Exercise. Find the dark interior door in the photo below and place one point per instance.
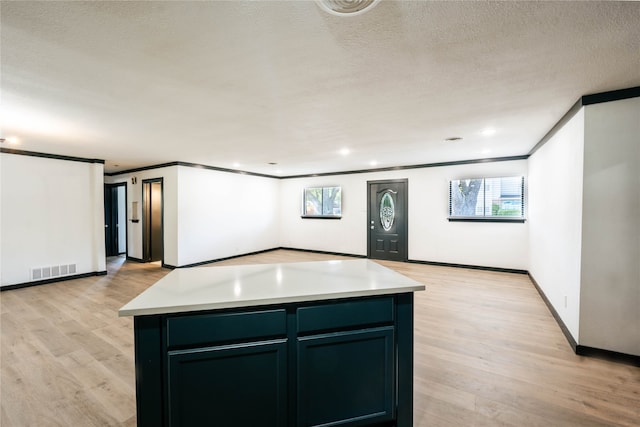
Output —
(387, 226)
(152, 248)
(115, 218)
(111, 219)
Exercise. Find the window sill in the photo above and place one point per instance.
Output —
(486, 219)
(321, 216)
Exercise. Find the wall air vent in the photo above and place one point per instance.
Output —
(43, 273)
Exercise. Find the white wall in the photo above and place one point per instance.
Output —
(216, 214)
(431, 236)
(555, 219)
(223, 214)
(346, 235)
(169, 177)
(52, 213)
(610, 298)
(208, 214)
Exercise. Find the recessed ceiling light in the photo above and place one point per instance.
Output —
(453, 139)
(10, 140)
(373, 163)
(236, 165)
(486, 151)
(488, 131)
(344, 152)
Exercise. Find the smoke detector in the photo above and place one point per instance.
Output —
(346, 7)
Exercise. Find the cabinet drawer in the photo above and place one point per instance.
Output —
(212, 328)
(343, 315)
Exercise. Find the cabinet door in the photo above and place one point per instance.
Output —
(346, 378)
(240, 385)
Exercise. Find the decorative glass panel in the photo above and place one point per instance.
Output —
(387, 211)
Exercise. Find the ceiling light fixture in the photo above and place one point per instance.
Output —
(345, 151)
(346, 7)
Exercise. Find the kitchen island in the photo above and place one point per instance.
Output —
(322, 343)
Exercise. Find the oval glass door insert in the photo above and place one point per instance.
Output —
(387, 211)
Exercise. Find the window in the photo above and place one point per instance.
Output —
(487, 199)
(322, 202)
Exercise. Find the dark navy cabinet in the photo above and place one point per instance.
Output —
(342, 362)
(346, 377)
(243, 384)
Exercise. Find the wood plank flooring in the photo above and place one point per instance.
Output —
(487, 353)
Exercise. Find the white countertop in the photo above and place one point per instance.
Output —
(210, 288)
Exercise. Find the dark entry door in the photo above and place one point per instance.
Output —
(387, 226)
(152, 211)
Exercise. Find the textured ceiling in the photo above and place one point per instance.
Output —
(241, 84)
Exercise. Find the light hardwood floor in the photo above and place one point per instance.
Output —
(487, 353)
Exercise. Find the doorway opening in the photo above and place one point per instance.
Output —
(387, 228)
(152, 220)
(115, 219)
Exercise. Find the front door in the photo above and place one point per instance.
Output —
(387, 226)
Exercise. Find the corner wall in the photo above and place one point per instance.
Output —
(52, 213)
(208, 214)
(610, 297)
(555, 220)
(222, 214)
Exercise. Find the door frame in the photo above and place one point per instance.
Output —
(145, 253)
(405, 208)
(126, 230)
